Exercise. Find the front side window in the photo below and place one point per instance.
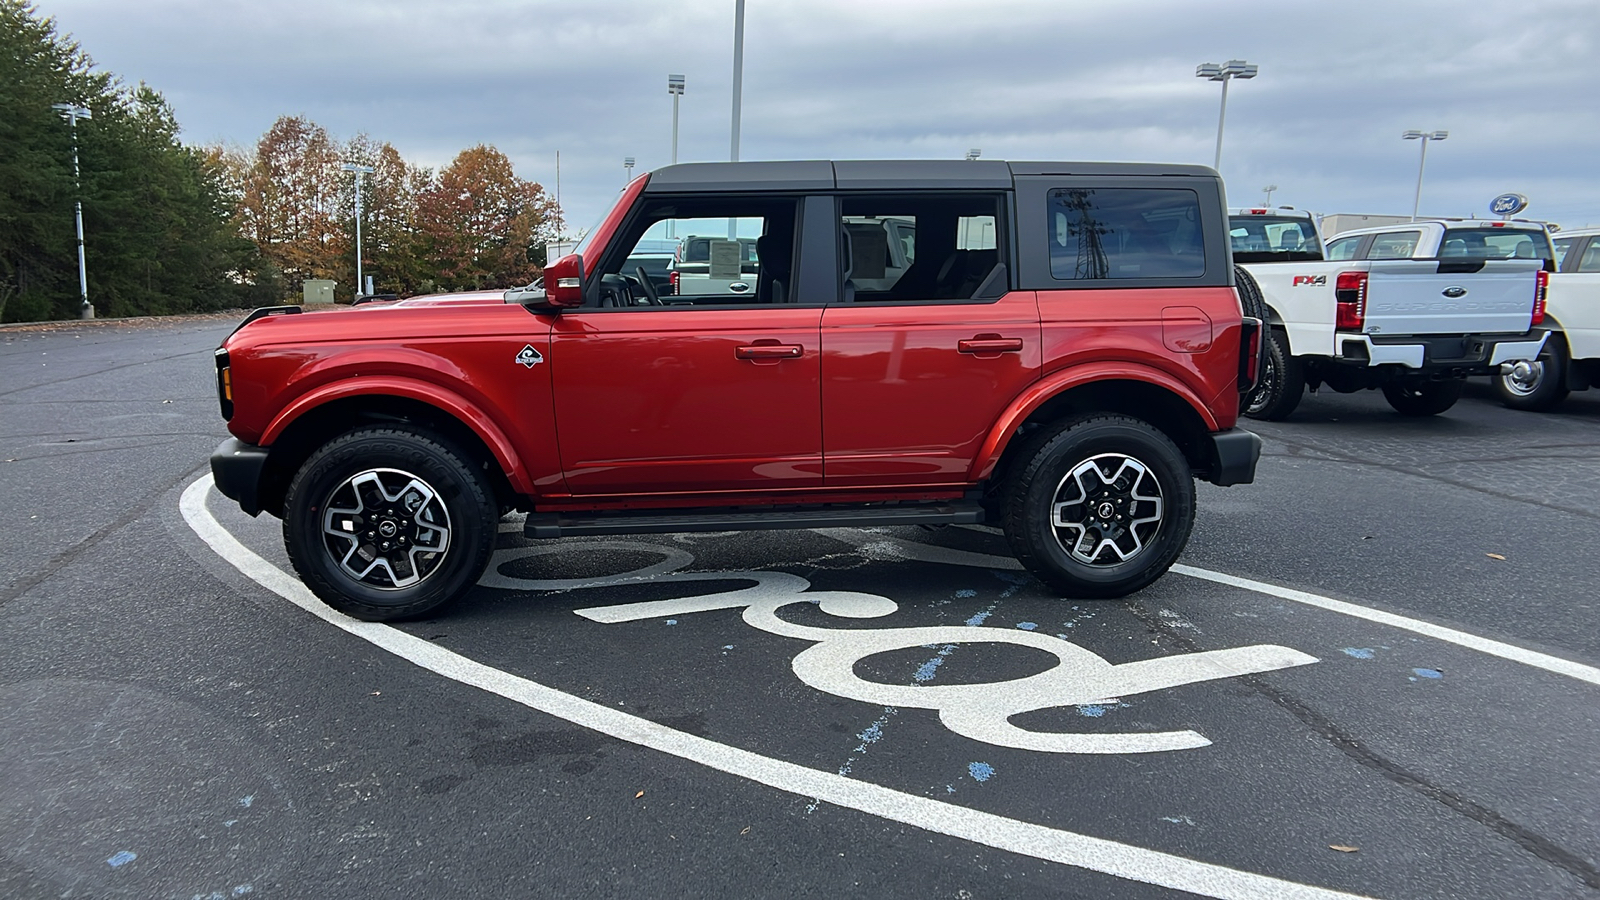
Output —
(1394, 245)
(918, 247)
(1344, 248)
(703, 252)
(1113, 233)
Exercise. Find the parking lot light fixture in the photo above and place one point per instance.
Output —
(675, 88)
(627, 166)
(359, 171)
(1233, 68)
(72, 113)
(1424, 137)
(974, 153)
(1268, 191)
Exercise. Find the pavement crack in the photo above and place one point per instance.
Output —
(1534, 843)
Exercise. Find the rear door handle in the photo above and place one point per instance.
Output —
(770, 351)
(986, 343)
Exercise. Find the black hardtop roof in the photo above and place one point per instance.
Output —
(887, 174)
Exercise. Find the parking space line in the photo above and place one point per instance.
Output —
(1024, 838)
(1501, 649)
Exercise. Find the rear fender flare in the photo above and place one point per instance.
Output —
(1057, 383)
(446, 401)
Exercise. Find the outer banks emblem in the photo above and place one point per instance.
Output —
(529, 356)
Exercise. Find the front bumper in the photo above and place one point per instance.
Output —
(1234, 454)
(236, 468)
(1482, 354)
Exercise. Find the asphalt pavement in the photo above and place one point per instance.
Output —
(1373, 674)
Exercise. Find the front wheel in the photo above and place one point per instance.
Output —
(1423, 398)
(1538, 385)
(388, 523)
(1100, 506)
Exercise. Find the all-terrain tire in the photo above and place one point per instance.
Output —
(1078, 506)
(1281, 384)
(389, 522)
(1423, 398)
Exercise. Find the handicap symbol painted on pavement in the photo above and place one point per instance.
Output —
(980, 711)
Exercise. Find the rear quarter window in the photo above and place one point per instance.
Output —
(1394, 245)
(1132, 233)
(1496, 243)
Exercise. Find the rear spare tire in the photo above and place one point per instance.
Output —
(1099, 506)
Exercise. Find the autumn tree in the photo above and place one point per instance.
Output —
(481, 225)
(290, 199)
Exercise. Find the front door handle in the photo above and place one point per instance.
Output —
(990, 343)
(770, 351)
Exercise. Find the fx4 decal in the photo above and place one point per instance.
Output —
(1314, 280)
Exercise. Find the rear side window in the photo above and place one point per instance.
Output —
(1394, 245)
(1344, 248)
(1562, 246)
(1110, 233)
(920, 247)
(1496, 243)
(1591, 257)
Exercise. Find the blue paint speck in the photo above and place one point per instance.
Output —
(963, 594)
(121, 858)
(727, 646)
(949, 789)
(873, 733)
(1027, 626)
(246, 801)
(240, 890)
(980, 771)
(1092, 710)
(977, 620)
(672, 621)
(1358, 652)
(926, 671)
(1428, 673)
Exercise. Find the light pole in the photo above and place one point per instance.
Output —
(1233, 68)
(1268, 190)
(1424, 137)
(72, 113)
(974, 153)
(360, 171)
(738, 76)
(627, 165)
(675, 88)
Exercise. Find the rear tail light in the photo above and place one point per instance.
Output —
(1350, 292)
(1539, 292)
(673, 278)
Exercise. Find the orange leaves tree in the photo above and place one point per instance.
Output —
(481, 224)
(474, 224)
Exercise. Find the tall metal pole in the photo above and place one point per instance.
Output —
(1416, 204)
(72, 114)
(738, 75)
(359, 171)
(1222, 118)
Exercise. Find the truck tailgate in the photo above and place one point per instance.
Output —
(1453, 296)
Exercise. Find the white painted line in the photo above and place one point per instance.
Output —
(1501, 649)
(1023, 838)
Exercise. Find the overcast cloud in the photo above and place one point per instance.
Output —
(1512, 83)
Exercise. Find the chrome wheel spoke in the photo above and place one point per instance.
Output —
(386, 528)
(1107, 509)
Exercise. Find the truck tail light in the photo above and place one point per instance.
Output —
(1540, 290)
(1350, 294)
(673, 278)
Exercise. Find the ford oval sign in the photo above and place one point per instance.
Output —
(1508, 204)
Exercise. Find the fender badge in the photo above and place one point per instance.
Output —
(529, 357)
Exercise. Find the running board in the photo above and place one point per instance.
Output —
(554, 525)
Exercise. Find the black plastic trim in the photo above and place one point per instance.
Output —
(236, 468)
(554, 525)
(265, 312)
(1234, 454)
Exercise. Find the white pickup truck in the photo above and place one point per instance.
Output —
(1412, 310)
(1571, 357)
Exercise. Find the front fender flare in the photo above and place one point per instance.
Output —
(446, 401)
(1050, 386)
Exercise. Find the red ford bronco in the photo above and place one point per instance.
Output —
(1055, 348)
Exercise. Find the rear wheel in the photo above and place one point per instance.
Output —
(387, 523)
(1537, 385)
(1100, 506)
(1423, 398)
(1280, 385)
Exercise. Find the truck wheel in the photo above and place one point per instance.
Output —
(1538, 385)
(1099, 506)
(1280, 385)
(389, 522)
(1423, 398)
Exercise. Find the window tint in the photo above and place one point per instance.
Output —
(1344, 248)
(1125, 233)
(909, 247)
(1591, 257)
(1496, 243)
(703, 252)
(1273, 238)
(1394, 245)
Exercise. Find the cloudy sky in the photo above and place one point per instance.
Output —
(866, 79)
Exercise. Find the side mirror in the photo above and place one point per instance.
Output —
(530, 295)
(563, 282)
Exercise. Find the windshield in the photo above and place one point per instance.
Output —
(1498, 243)
(1269, 238)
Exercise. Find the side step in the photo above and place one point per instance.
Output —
(554, 525)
